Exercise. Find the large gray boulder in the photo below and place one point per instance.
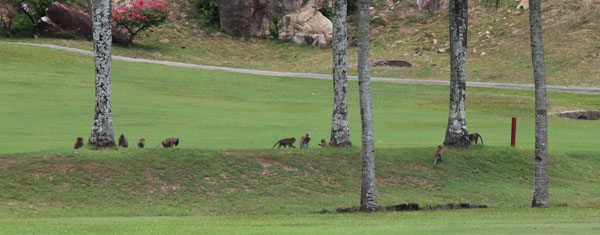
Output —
(253, 18)
(581, 114)
(62, 19)
(432, 6)
(306, 26)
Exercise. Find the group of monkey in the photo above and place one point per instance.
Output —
(289, 142)
(286, 142)
(167, 143)
(438, 153)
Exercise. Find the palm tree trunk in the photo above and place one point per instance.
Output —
(368, 192)
(102, 130)
(456, 132)
(340, 132)
(541, 196)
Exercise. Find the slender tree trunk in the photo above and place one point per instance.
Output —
(456, 132)
(24, 11)
(541, 196)
(102, 131)
(340, 132)
(368, 191)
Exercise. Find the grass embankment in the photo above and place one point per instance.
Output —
(47, 100)
(175, 182)
(570, 42)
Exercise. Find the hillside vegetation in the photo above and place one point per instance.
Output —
(570, 37)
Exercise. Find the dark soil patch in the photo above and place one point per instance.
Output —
(391, 63)
(407, 207)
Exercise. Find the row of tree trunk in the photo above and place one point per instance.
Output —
(102, 135)
(456, 130)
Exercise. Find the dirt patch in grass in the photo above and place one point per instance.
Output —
(245, 153)
(266, 163)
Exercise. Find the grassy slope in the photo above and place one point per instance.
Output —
(269, 182)
(46, 103)
(570, 36)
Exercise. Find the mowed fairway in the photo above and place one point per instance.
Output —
(225, 179)
(514, 221)
(47, 100)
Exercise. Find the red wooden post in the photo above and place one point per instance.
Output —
(513, 133)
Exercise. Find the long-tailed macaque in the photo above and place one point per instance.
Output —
(123, 141)
(474, 136)
(286, 142)
(168, 143)
(304, 141)
(438, 155)
(141, 143)
(323, 143)
(78, 143)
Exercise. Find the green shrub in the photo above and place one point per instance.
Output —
(208, 11)
(274, 27)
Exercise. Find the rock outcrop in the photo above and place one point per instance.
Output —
(524, 4)
(582, 114)
(307, 26)
(70, 19)
(62, 20)
(299, 21)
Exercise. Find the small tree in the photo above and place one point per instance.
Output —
(7, 15)
(140, 15)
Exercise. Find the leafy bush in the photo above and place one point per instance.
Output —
(274, 27)
(351, 9)
(140, 15)
(208, 11)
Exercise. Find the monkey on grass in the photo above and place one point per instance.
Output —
(123, 141)
(285, 142)
(141, 143)
(78, 143)
(170, 142)
(323, 143)
(473, 137)
(438, 155)
(304, 141)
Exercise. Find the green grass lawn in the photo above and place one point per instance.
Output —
(47, 101)
(228, 179)
(493, 221)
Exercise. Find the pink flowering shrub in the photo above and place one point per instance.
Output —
(140, 15)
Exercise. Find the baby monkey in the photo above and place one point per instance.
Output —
(323, 143)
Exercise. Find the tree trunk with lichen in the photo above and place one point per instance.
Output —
(541, 196)
(457, 134)
(340, 131)
(368, 192)
(102, 130)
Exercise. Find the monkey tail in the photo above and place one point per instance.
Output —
(481, 139)
(275, 144)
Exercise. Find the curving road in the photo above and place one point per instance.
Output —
(585, 90)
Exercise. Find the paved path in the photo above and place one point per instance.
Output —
(324, 76)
